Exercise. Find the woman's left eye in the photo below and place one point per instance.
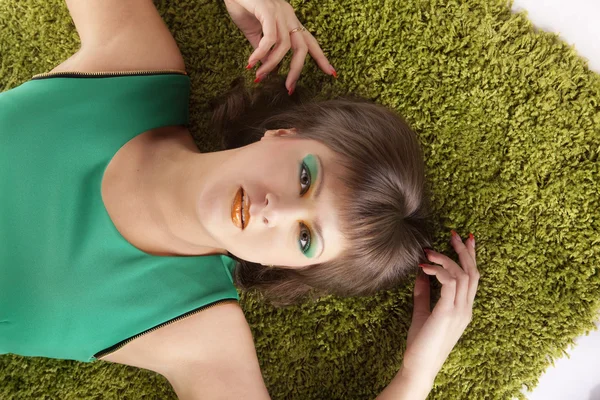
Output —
(304, 179)
(304, 239)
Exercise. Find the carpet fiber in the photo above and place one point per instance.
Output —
(509, 119)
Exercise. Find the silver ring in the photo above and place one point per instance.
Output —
(301, 29)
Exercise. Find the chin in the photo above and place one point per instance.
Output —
(211, 216)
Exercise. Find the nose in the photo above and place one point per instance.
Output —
(279, 210)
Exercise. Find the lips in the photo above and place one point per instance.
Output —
(240, 209)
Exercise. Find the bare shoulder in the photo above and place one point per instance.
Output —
(121, 35)
(110, 60)
(208, 355)
(192, 339)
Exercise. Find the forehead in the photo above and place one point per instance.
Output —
(327, 211)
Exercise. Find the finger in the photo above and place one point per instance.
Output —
(461, 281)
(269, 27)
(317, 54)
(278, 52)
(470, 243)
(462, 278)
(473, 273)
(300, 51)
(421, 296)
(473, 285)
(448, 282)
(467, 261)
(446, 262)
(254, 39)
(265, 58)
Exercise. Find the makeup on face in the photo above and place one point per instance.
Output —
(308, 242)
(240, 209)
(310, 181)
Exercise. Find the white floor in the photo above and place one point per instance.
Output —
(574, 378)
(576, 21)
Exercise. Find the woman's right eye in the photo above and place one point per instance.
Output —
(305, 178)
(304, 239)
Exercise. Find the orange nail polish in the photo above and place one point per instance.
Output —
(454, 233)
(333, 71)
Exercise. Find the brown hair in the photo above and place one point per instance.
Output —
(385, 222)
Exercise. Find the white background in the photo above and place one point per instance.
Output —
(578, 23)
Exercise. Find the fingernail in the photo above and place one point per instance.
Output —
(454, 234)
(249, 66)
(292, 89)
(260, 78)
(472, 239)
(333, 71)
(422, 265)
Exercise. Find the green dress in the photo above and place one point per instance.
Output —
(71, 287)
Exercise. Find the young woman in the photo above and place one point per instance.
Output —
(106, 199)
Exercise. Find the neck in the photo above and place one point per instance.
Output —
(175, 182)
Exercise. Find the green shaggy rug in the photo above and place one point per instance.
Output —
(509, 119)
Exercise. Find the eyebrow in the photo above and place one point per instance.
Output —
(321, 174)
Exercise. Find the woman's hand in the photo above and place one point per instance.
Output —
(432, 335)
(275, 19)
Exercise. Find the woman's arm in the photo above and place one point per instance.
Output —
(220, 361)
(433, 334)
(407, 387)
(121, 35)
(208, 355)
(212, 355)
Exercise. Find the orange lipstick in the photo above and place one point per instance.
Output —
(240, 209)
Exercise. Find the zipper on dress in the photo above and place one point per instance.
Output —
(78, 74)
(117, 346)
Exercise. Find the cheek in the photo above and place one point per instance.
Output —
(257, 247)
(270, 177)
(272, 158)
(267, 247)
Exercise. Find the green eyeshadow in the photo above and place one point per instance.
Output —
(311, 163)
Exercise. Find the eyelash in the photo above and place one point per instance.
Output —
(303, 228)
(304, 168)
(304, 248)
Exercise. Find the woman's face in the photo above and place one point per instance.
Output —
(272, 203)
